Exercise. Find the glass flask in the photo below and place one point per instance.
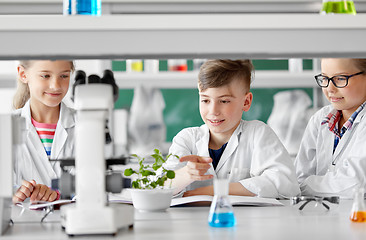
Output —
(221, 212)
(358, 212)
(338, 6)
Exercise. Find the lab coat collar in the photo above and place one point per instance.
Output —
(360, 116)
(33, 139)
(347, 136)
(66, 120)
(66, 115)
(203, 144)
(231, 146)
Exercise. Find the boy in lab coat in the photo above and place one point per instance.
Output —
(332, 155)
(247, 152)
(49, 127)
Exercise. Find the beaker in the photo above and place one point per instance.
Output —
(221, 212)
(338, 6)
(358, 212)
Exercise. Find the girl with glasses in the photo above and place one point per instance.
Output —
(332, 156)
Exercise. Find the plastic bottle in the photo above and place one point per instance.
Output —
(134, 65)
(358, 212)
(338, 6)
(197, 63)
(221, 212)
(82, 7)
(179, 65)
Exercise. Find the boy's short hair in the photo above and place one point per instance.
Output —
(220, 72)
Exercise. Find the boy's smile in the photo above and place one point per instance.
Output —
(221, 108)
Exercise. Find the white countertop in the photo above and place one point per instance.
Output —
(191, 223)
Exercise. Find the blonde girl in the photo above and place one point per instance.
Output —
(332, 156)
(49, 131)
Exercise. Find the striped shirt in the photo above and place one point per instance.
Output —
(46, 133)
(332, 119)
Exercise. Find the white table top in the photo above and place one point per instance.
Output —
(191, 223)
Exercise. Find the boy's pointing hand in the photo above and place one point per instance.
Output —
(197, 167)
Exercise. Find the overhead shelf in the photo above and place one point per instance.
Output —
(262, 79)
(162, 36)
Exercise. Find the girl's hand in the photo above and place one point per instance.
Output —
(43, 193)
(24, 191)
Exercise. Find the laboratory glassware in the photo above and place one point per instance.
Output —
(358, 212)
(134, 65)
(338, 6)
(325, 203)
(179, 65)
(221, 211)
(82, 7)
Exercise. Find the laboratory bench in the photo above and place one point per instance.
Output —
(283, 222)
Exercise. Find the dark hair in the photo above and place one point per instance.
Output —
(220, 72)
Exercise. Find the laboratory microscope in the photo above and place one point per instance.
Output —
(92, 214)
(11, 137)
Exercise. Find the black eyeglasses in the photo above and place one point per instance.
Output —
(340, 81)
(305, 200)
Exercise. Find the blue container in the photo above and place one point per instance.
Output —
(222, 220)
(83, 7)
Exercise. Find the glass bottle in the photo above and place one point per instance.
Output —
(221, 212)
(338, 6)
(82, 7)
(358, 212)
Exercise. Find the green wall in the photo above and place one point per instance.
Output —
(182, 110)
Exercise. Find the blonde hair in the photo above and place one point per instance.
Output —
(360, 63)
(22, 93)
(220, 72)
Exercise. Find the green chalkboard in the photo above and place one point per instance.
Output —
(182, 105)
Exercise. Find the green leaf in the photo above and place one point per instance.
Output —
(129, 172)
(170, 174)
(156, 167)
(153, 184)
(135, 184)
(145, 180)
(147, 173)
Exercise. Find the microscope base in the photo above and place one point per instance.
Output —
(91, 221)
(5, 213)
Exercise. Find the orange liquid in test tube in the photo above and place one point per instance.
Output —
(358, 216)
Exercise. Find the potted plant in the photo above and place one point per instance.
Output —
(149, 191)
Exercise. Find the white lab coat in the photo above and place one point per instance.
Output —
(31, 161)
(254, 156)
(314, 169)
